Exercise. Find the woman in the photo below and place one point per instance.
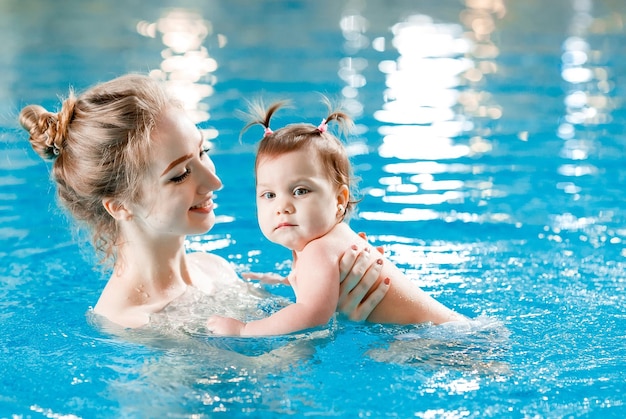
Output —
(130, 165)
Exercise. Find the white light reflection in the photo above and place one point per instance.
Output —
(587, 102)
(432, 98)
(353, 26)
(592, 230)
(419, 214)
(423, 147)
(422, 83)
(442, 413)
(410, 254)
(210, 243)
(429, 167)
(186, 65)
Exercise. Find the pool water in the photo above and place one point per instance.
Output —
(490, 147)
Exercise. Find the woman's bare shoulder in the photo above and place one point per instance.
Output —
(207, 268)
(116, 310)
(209, 260)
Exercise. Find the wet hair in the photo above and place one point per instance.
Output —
(295, 137)
(99, 143)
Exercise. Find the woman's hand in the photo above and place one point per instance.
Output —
(360, 291)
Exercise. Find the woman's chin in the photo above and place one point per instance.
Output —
(205, 225)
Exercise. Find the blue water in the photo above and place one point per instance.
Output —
(490, 147)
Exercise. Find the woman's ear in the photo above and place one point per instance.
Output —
(117, 209)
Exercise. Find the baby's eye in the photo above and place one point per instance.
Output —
(180, 178)
(268, 195)
(300, 191)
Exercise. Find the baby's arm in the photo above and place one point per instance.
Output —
(317, 292)
(267, 278)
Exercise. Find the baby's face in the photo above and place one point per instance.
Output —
(296, 202)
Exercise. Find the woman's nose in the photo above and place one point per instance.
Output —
(209, 181)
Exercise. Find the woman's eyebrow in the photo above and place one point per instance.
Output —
(176, 162)
(183, 158)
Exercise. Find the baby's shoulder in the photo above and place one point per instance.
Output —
(341, 236)
(334, 243)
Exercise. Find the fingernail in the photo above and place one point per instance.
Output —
(379, 261)
(386, 281)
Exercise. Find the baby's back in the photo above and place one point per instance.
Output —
(405, 302)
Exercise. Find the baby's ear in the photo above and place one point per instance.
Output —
(117, 209)
(343, 196)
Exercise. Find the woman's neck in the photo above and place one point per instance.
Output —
(155, 266)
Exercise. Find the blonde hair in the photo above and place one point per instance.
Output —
(100, 144)
(294, 137)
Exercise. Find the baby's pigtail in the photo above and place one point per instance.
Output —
(335, 114)
(261, 116)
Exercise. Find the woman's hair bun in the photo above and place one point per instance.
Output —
(48, 131)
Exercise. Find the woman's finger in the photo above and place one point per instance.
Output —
(358, 283)
(352, 266)
(364, 237)
(367, 281)
(363, 310)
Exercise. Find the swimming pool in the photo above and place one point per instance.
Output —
(490, 148)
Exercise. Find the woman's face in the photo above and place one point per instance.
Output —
(178, 190)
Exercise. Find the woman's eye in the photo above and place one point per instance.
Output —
(300, 191)
(181, 177)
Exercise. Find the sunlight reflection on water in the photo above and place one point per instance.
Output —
(490, 158)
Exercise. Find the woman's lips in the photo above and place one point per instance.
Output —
(205, 206)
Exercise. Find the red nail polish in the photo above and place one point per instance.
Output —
(386, 281)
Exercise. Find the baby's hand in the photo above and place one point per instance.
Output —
(268, 278)
(225, 326)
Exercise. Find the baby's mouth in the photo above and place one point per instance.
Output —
(281, 225)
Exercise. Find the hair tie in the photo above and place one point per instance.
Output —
(58, 125)
(268, 131)
(322, 127)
